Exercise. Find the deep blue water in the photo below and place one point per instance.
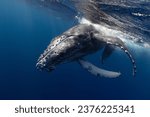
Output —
(25, 31)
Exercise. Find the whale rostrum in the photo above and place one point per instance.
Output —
(78, 42)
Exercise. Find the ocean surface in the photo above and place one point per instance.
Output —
(25, 32)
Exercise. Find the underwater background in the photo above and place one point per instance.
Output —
(26, 31)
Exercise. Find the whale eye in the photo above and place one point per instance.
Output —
(81, 36)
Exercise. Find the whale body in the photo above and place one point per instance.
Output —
(78, 42)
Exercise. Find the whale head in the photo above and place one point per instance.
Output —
(56, 53)
(71, 45)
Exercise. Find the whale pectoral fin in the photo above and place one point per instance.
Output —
(119, 43)
(107, 52)
(97, 71)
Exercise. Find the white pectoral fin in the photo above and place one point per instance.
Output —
(97, 71)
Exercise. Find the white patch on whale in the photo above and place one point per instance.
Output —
(98, 71)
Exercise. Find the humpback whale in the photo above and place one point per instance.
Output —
(78, 42)
(87, 38)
